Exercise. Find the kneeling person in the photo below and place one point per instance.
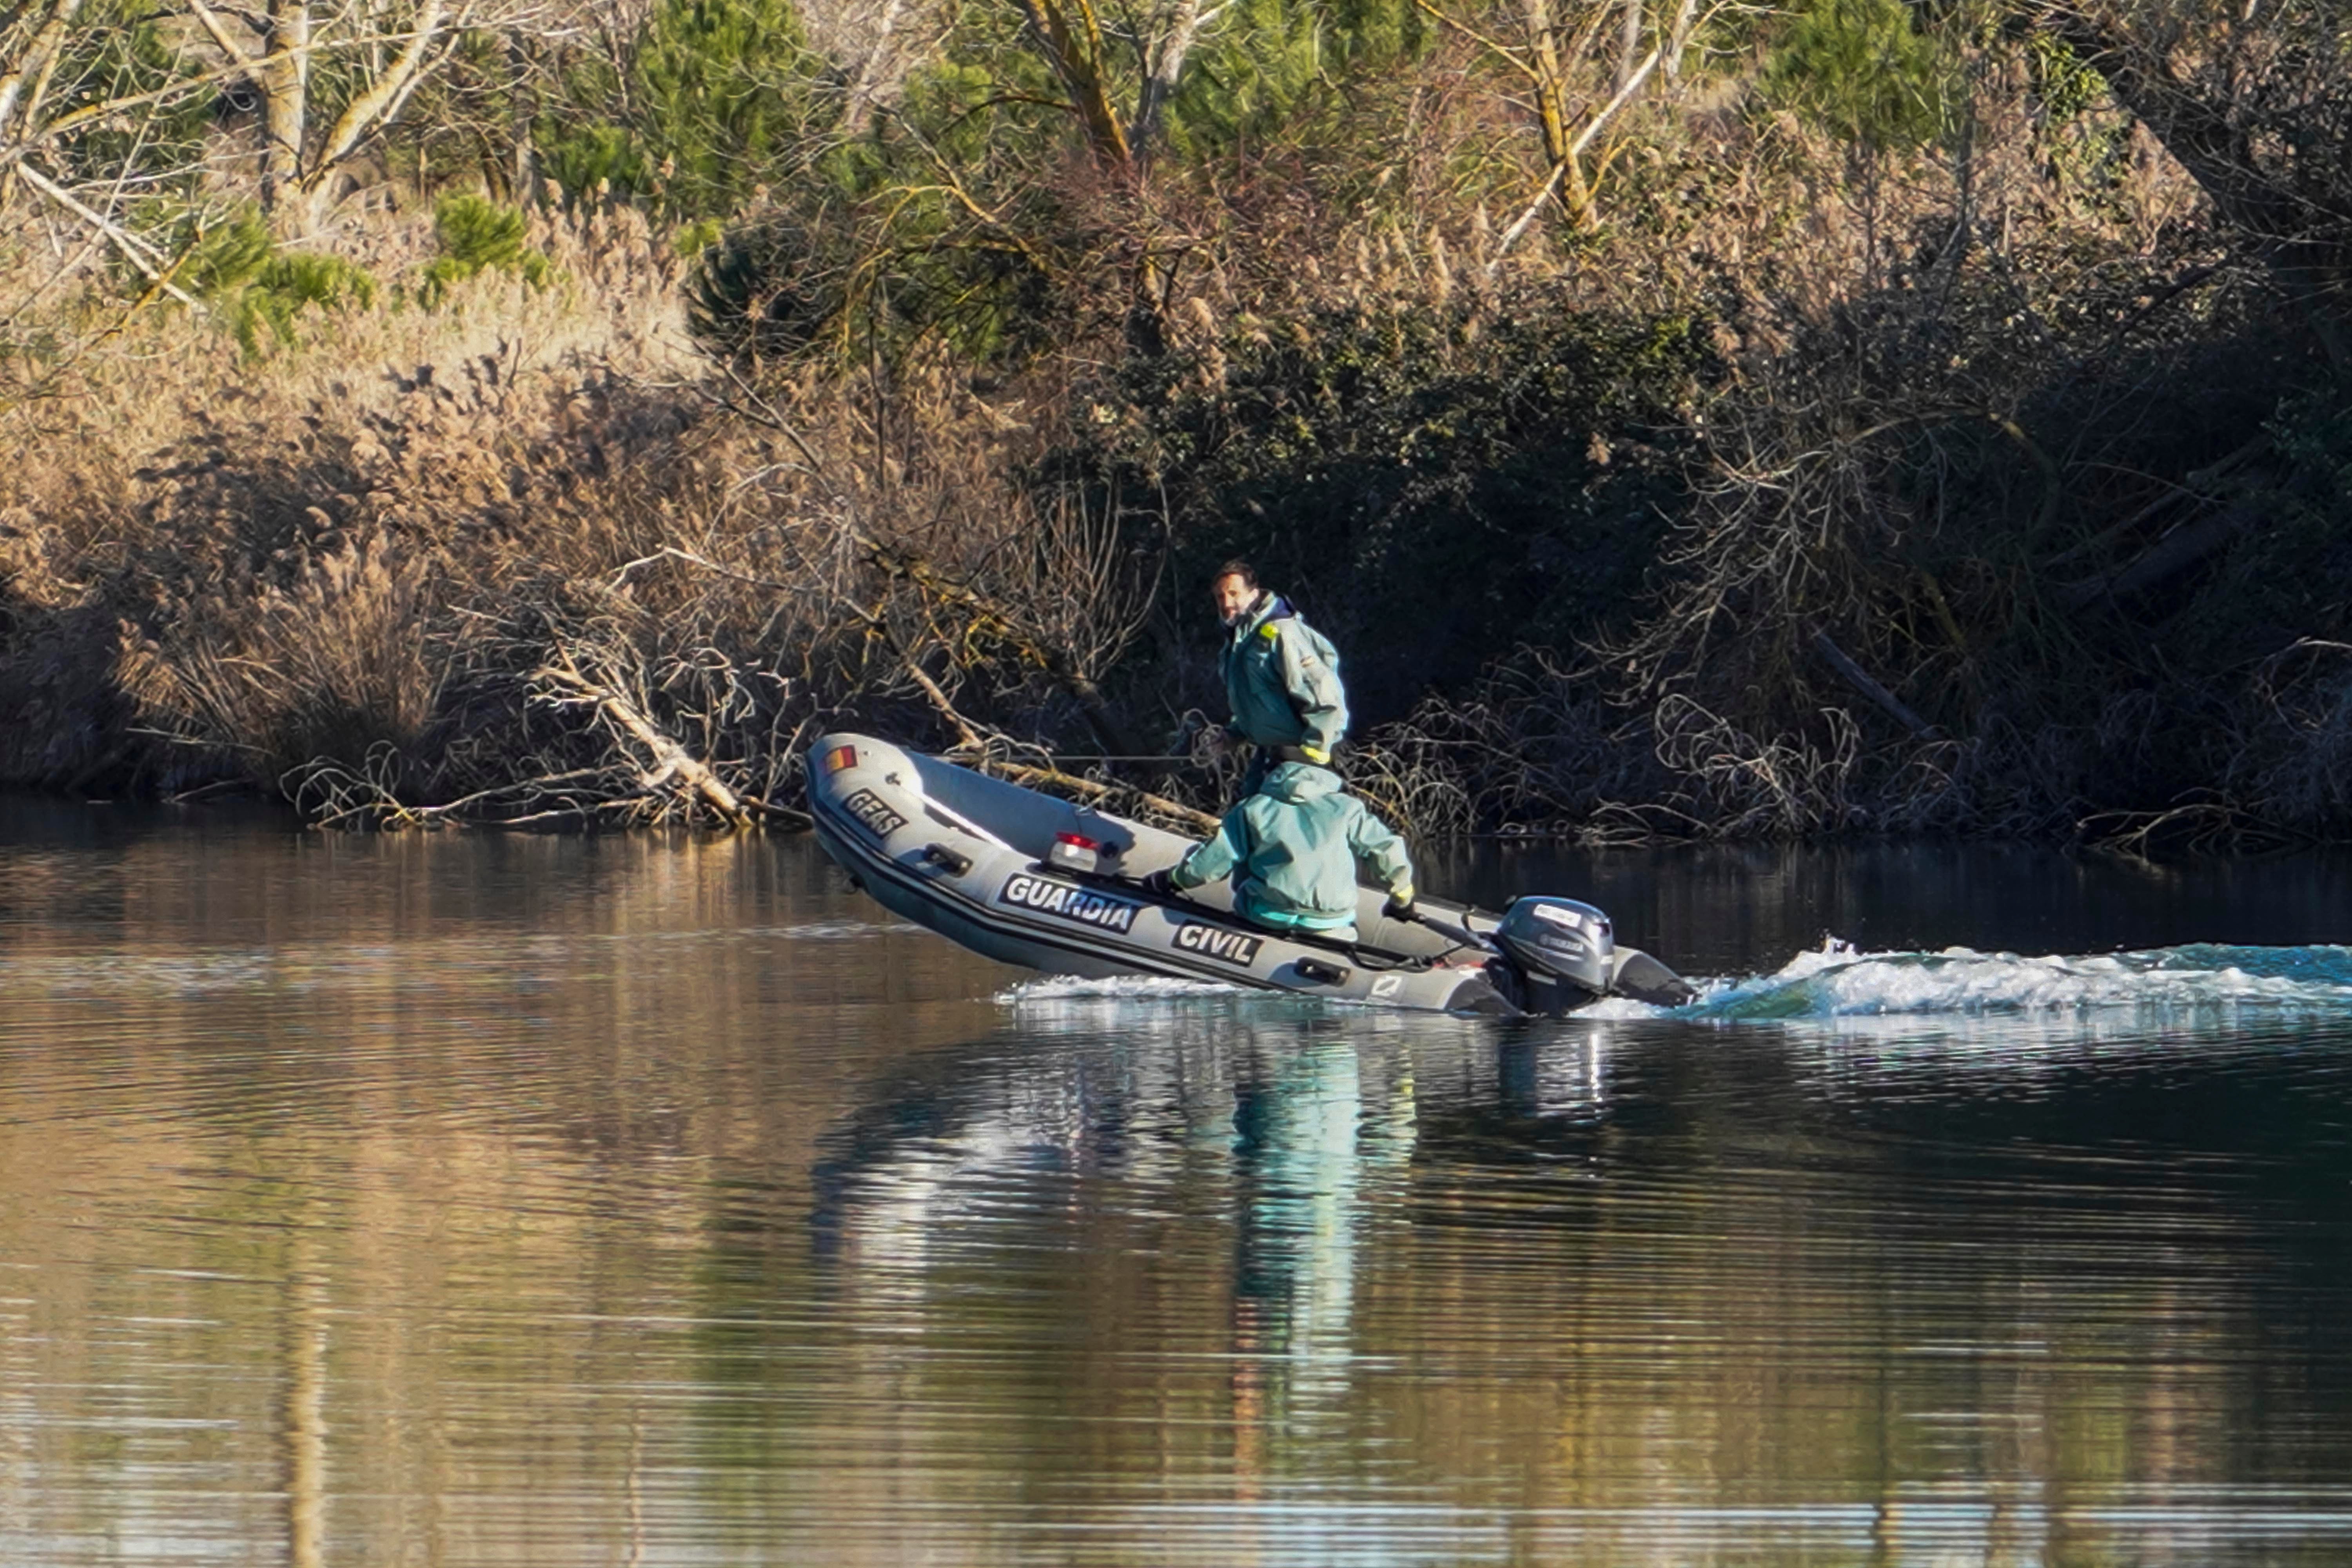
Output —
(1292, 851)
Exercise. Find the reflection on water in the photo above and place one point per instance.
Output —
(494, 1200)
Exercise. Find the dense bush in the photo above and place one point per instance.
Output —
(1439, 480)
(251, 285)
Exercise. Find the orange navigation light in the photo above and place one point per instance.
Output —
(840, 757)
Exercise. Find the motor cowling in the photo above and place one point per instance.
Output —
(1564, 951)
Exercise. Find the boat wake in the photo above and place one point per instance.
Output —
(1840, 981)
(1057, 990)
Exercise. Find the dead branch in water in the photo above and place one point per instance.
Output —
(671, 761)
(2213, 827)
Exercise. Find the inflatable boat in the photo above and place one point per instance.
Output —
(1032, 880)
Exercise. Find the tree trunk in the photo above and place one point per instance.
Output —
(866, 85)
(1070, 34)
(2210, 137)
(1551, 81)
(671, 761)
(1166, 69)
(1629, 42)
(284, 78)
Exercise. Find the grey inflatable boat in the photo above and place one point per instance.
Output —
(1032, 880)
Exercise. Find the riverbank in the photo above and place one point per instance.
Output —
(528, 557)
(1993, 480)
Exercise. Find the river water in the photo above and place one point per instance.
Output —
(454, 1199)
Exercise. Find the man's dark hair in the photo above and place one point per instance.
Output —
(1236, 567)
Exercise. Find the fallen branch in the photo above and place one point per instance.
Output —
(2195, 486)
(1860, 679)
(1024, 773)
(128, 245)
(2169, 557)
(2194, 828)
(671, 761)
(982, 747)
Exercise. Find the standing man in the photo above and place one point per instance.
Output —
(1282, 677)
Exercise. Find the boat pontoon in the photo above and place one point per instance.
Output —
(1032, 880)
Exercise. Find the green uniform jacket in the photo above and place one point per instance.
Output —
(1282, 676)
(1292, 851)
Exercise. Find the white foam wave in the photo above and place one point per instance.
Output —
(1839, 981)
(1622, 1007)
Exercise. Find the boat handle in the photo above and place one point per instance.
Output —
(946, 860)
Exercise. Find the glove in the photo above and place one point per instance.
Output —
(1159, 884)
(1401, 906)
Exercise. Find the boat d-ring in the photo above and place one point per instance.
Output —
(946, 860)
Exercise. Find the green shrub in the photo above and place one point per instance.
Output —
(292, 282)
(718, 98)
(1284, 73)
(1437, 485)
(693, 239)
(215, 262)
(249, 284)
(476, 233)
(1862, 72)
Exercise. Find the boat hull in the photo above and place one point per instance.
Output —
(968, 856)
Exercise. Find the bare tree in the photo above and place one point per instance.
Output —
(330, 77)
(52, 85)
(1092, 56)
(2253, 99)
(389, 46)
(1561, 49)
(34, 41)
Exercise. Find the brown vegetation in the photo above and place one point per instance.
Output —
(521, 559)
(1707, 455)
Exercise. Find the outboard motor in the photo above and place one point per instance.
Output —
(1563, 950)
